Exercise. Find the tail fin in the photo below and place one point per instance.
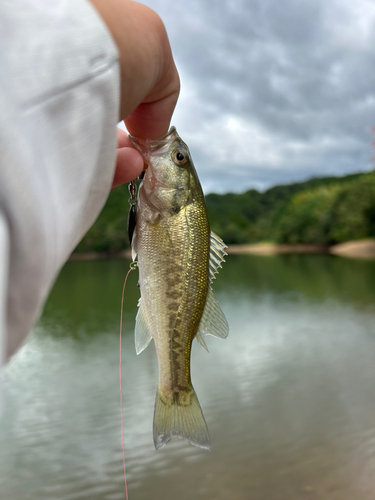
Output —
(179, 415)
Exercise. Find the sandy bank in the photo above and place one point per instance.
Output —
(361, 249)
(272, 248)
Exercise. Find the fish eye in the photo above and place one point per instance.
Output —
(180, 158)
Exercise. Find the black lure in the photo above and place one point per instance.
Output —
(131, 222)
(133, 207)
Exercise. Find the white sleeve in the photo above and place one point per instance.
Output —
(59, 103)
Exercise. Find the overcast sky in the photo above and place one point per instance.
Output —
(273, 91)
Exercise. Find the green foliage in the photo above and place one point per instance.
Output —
(353, 214)
(330, 214)
(307, 217)
(323, 210)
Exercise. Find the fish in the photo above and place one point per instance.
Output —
(178, 257)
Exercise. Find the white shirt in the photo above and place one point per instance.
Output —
(59, 102)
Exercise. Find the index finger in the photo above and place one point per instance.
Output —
(151, 120)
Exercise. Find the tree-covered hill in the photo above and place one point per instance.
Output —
(321, 210)
(324, 210)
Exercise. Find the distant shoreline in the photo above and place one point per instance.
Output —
(274, 248)
(360, 249)
(124, 254)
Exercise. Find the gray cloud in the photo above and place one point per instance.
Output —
(273, 92)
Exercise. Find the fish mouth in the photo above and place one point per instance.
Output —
(147, 146)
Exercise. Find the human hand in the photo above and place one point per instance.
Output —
(149, 79)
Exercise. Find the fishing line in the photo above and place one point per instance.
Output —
(133, 266)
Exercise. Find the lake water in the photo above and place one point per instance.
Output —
(289, 397)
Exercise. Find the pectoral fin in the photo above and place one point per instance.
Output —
(213, 320)
(142, 332)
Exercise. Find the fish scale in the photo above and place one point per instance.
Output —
(182, 324)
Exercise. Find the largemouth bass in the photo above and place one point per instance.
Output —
(178, 258)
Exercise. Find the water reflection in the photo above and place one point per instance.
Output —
(288, 397)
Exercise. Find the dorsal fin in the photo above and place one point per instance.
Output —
(213, 320)
(217, 254)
